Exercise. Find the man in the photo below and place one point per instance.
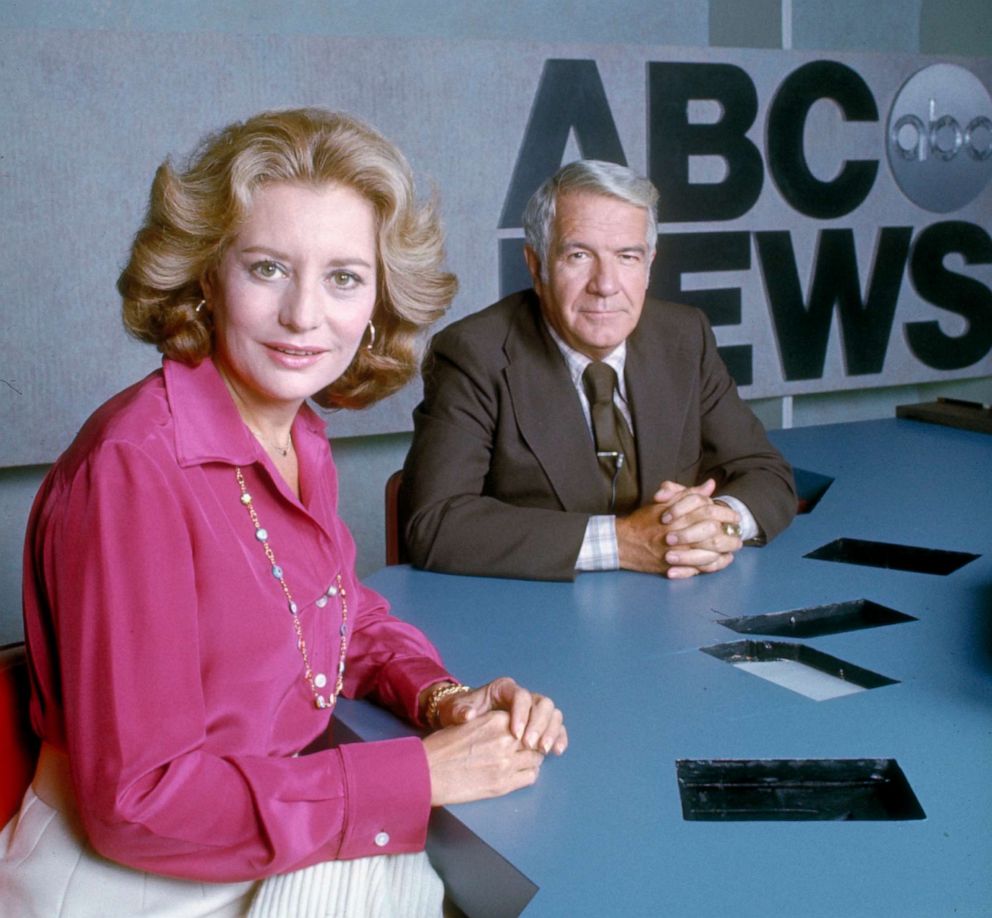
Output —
(526, 464)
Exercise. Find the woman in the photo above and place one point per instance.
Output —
(191, 607)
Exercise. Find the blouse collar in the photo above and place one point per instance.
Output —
(207, 423)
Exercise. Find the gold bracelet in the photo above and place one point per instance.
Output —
(438, 693)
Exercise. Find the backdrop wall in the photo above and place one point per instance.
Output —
(98, 93)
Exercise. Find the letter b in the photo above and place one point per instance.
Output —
(673, 139)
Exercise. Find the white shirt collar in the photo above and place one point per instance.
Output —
(577, 362)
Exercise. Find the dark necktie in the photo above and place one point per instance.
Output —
(614, 442)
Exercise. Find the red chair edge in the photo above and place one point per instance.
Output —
(18, 743)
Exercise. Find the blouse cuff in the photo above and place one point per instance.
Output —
(405, 683)
(389, 797)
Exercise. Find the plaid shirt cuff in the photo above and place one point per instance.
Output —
(599, 551)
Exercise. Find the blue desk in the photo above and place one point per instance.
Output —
(603, 833)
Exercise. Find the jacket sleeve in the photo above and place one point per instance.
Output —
(735, 450)
(454, 522)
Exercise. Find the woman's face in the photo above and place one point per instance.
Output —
(293, 294)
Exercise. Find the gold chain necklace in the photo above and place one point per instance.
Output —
(282, 450)
(319, 680)
(245, 413)
(267, 443)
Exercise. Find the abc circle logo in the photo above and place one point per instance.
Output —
(939, 138)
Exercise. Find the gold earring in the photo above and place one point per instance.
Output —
(199, 306)
(368, 346)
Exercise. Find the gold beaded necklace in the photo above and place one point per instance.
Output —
(319, 680)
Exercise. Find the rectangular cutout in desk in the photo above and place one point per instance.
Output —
(794, 790)
(892, 557)
(798, 668)
(816, 621)
(810, 487)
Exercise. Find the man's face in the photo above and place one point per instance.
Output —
(597, 272)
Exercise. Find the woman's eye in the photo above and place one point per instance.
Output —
(345, 279)
(266, 269)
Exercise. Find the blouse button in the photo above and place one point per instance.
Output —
(382, 839)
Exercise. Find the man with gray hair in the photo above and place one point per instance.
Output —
(580, 425)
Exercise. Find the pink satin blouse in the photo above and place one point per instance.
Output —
(163, 654)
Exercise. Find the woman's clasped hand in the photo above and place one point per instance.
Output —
(492, 740)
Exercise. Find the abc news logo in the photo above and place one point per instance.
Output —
(939, 140)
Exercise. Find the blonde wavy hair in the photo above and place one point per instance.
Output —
(194, 213)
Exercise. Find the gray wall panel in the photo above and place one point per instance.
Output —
(90, 115)
(855, 25)
(673, 22)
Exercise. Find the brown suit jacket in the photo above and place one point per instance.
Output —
(501, 476)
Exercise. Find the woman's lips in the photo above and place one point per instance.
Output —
(295, 356)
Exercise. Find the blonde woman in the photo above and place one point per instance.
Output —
(191, 607)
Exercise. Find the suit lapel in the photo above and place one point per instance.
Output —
(658, 388)
(547, 410)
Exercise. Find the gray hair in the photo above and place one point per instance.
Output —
(591, 175)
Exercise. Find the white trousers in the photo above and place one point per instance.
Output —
(48, 868)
